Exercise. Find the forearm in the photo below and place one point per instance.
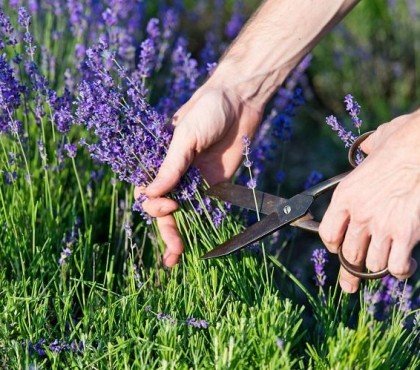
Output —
(273, 42)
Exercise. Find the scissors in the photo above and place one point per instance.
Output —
(281, 212)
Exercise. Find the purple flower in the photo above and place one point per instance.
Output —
(56, 346)
(128, 230)
(319, 258)
(130, 135)
(153, 28)
(314, 178)
(371, 299)
(251, 184)
(234, 25)
(33, 6)
(147, 58)
(280, 343)
(166, 317)
(353, 108)
(71, 150)
(246, 143)
(10, 92)
(346, 136)
(9, 177)
(197, 323)
(109, 17)
(7, 30)
(24, 19)
(77, 20)
(66, 252)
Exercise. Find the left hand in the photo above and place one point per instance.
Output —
(375, 211)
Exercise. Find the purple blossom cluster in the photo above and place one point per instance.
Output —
(197, 323)
(130, 135)
(57, 346)
(347, 137)
(236, 22)
(10, 97)
(65, 253)
(353, 109)
(319, 259)
(391, 294)
(166, 317)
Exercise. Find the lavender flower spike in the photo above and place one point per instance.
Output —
(319, 258)
(346, 136)
(353, 108)
(196, 323)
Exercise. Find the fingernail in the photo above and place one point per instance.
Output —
(347, 287)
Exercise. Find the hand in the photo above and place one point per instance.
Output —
(375, 211)
(208, 133)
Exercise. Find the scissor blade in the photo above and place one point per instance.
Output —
(243, 197)
(250, 235)
(295, 208)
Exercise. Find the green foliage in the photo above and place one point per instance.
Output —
(110, 291)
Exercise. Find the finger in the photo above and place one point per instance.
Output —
(159, 207)
(368, 144)
(400, 263)
(378, 253)
(354, 248)
(333, 227)
(170, 236)
(178, 158)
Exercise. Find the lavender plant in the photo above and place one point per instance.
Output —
(87, 90)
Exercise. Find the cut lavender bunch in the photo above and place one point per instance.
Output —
(131, 136)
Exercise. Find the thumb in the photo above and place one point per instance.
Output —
(178, 158)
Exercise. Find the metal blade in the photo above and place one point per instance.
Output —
(243, 197)
(294, 209)
(250, 235)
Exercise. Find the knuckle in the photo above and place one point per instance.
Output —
(399, 270)
(355, 229)
(353, 255)
(373, 264)
(328, 236)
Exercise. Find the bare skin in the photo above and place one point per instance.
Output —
(375, 211)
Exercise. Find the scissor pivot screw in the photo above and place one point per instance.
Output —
(287, 209)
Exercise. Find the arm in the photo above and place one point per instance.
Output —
(273, 42)
(209, 128)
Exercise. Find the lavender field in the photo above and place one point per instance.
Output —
(87, 92)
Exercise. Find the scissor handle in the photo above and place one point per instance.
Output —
(355, 146)
(313, 226)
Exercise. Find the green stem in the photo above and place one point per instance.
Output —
(258, 218)
(82, 198)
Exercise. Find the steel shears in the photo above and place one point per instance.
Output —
(280, 212)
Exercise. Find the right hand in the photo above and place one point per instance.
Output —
(208, 134)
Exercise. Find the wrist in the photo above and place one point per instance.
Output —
(254, 87)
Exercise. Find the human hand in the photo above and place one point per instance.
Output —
(208, 134)
(375, 211)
